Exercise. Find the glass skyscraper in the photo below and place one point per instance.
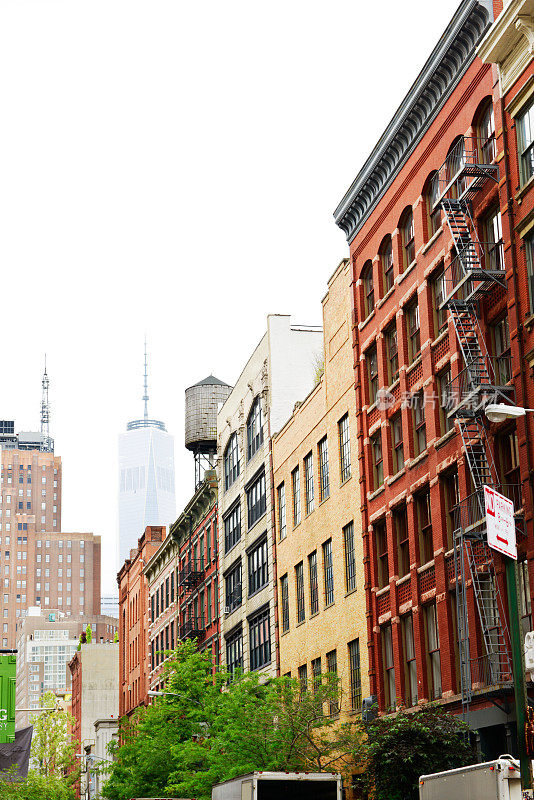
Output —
(146, 481)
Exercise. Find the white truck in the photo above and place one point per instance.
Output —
(280, 785)
(492, 780)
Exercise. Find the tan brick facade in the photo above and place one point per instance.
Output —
(334, 616)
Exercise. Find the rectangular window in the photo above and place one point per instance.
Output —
(413, 331)
(424, 522)
(439, 293)
(258, 572)
(344, 447)
(282, 530)
(410, 666)
(378, 460)
(316, 674)
(500, 337)
(234, 653)
(314, 583)
(328, 568)
(260, 640)
(284, 602)
(432, 643)
(494, 243)
(233, 589)
(350, 557)
(397, 443)
(308, 483)
(525, 143)
(303, 677)
(389, 666)
(355, 675)
(331, 666)
(256, 500)
(446, 423)
(392, 353)
(295, 483)
(419, 423)
(202, 552)
(324, 478)
(232, 528)
(451, 496)
(299, 587)
(524, 597)
(400, 526)
(529, 250)
(208, 604)
(371, 360)
(382, 557)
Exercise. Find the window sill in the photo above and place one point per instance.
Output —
(404, 579)
(386, 296)
(524, 189)
(257, 591)
(300, 624)
(415, 461)
(352, 591)
(249, 527)
(406, 271)
(426, 566)
(309, 513)
(445, 438)
(315, 614)
(372, 495)
(396, 477)
(439, 338)
(233, 547)
(330, 605)
(529, 322)
(431, 241)
(344, 483)
(383, 590)
(361, 325)
(323, 501)
(415, 363)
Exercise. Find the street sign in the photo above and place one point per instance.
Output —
(500, 523)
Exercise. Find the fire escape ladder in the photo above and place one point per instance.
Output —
(469, 276)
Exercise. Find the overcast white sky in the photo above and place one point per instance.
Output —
(172, 168)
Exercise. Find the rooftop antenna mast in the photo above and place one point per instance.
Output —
(46, 442)
(145, 396)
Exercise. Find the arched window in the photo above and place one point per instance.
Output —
(407, 238)
(368, 289)
(433, 209)
(386, 262)
(231, 461)
(254, 428)
(486, 133)
(454, 165)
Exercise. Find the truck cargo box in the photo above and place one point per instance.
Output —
(280, 785)
(492, 780)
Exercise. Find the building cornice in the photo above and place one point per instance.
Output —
(449, 60)
(510, 41)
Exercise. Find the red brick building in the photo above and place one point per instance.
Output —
(134, 663)
(183, 582)
(436, 296)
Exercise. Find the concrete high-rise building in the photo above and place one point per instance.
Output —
(46, 642)
(146, 478)
(30, 503)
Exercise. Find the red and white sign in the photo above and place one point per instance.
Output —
(500, 523)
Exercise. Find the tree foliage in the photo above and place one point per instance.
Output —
(53, 748)
(36, 787)
(396, 750)
(206, 730)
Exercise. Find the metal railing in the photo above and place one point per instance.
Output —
(482, 376)
(469, 514)
(484, 670)
(475, 267)
(191, 573)
(466, 166)
(192, 629)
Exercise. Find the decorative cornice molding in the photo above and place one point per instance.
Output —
(441, 73)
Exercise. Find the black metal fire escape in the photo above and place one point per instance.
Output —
(191, 574)
(471, 275)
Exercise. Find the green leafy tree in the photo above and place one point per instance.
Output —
(53, 747)
(35, 787)
(205, 730)
(88, 634)
(396, 750)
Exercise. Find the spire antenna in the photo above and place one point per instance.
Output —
(145, 396)
(45, 412)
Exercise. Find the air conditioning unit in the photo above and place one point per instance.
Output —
(227, 610)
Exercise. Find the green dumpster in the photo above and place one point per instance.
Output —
(8, 667)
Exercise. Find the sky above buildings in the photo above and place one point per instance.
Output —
(171, 168)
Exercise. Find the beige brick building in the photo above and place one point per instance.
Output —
(321, 600)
